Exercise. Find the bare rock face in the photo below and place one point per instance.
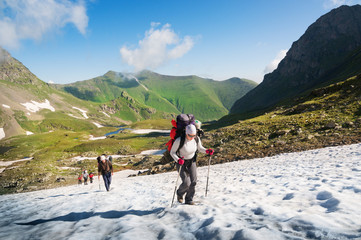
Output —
(324, 52)
(324, 45)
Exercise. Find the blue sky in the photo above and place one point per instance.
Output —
(64, 41)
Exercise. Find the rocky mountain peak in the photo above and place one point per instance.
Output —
(327, 41)
(312, 60)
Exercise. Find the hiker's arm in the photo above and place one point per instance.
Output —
(111, 167)
(174, 149)
(200, 147)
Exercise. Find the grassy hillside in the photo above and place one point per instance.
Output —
(205, 98)
(16, 118)
(326, 116)
(111, 86)
(52, 152)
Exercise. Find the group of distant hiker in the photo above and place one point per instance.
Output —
(183, 147)
(105, 168)
(84, 176)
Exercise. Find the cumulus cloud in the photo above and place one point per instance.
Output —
(31, 19)
(273, 65)
(159, 45)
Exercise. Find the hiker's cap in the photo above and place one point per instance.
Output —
(102, 157)
(191, 129)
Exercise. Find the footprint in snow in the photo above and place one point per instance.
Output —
(331, 205)
(324, 195)
(288, 196)
(258, 211)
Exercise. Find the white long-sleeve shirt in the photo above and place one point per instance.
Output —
(188, 150)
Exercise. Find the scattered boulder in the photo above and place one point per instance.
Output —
(60, 179)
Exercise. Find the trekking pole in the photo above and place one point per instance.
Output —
(209, 164)
(176, 183)
(99, 182)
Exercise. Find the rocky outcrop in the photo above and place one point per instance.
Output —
(317, 57)
(14, 71)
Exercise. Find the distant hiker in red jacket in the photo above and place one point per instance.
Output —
(91, 175)
(105, 168)
(79, 179)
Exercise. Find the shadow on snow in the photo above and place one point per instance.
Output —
(77, 216)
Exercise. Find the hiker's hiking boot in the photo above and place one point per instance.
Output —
(189, 202)
(180, 199)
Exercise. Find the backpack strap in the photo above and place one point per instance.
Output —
(182, 141)
(197, 140)
(181, 144)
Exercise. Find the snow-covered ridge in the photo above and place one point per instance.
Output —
(306, 195)
(34, 106)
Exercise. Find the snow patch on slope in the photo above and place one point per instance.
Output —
(98, 125)
(106, 114)
(83, 112)
(34, 106)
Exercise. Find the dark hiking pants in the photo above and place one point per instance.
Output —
(188, 175)
(107, 177)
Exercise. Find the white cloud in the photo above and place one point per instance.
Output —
(273, 65)
(159, 45)
(31, 19)
(336, 3)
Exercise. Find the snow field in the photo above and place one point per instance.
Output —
(306, 195)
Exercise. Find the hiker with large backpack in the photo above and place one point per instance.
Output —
(105, 168)
(184, 152)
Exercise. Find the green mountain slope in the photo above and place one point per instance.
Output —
(29, 105)
(207, 99)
